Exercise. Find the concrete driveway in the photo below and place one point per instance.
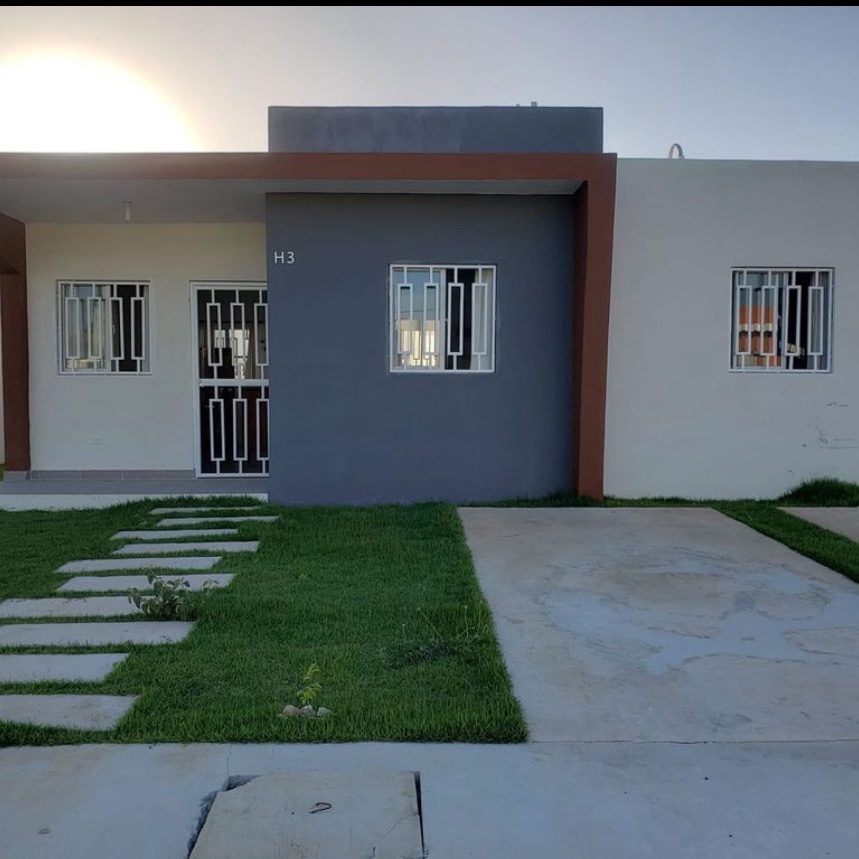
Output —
(666, 625)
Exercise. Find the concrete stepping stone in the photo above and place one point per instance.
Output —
(169, 548)
(361, 814)
(94, 634)
(167, 511)
(65, 607)
(202, 520)
(141, 583)
(171, 535)
(104, 565)
(41, 667)
(87, 712)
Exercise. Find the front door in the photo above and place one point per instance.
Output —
(231, 334)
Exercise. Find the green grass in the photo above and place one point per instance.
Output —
(826, 547)
(384, 600)
(823, 492)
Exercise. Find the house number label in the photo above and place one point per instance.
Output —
(284, 257)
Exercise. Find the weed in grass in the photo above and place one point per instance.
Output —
(171, 599)
(469, 634)
(312, 687)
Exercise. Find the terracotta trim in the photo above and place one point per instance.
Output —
(298, 166)
(15, 344)
(592, 247)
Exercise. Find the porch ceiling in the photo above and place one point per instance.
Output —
(231, 188)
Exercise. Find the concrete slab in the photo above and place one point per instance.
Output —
(117, 632)
(315, 814)
(67, 501)
(81, 494)
(174, 535)
(619, 800)
(65, 607)
(167, 548)
(109, 564)
(842, 520)
(169, 511)
(39, 667)
(202, 520)
(86, 712)
(141, 583)
(666, 625)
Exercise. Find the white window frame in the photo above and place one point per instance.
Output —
(759, 342)
(100, 359)
(483, 357)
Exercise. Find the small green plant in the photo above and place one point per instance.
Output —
(312, 687)
(171, 599)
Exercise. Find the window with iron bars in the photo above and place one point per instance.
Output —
(103, 326)
(442, 318)
(782, 320)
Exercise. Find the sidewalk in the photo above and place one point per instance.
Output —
(547, 800)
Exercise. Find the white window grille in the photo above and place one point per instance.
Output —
(782, 320)
(442, 318)
(103, 327)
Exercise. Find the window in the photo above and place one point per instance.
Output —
(442, 318)
(103, 327)
(782, 320)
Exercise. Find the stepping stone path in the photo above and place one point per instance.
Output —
(202, 520)
(94, 634)
(93, 584)
(90, 712)
(173, 535)
(33, 667)
(103, 712)
(167, 548)
(171, 511)
(75, 607)
(106, 565)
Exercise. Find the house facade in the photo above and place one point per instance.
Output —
(403, 304)
(733, 360)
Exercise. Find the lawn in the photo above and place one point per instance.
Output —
(383, 600)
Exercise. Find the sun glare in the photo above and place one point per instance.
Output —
(61, 102)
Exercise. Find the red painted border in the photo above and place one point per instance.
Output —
(15, 344)
(594, 235)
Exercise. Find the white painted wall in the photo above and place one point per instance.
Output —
(679, 422)
(126, 422)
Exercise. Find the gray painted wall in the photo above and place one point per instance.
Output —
(435, 129)
(344, 429)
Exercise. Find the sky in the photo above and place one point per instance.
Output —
(757, 82)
